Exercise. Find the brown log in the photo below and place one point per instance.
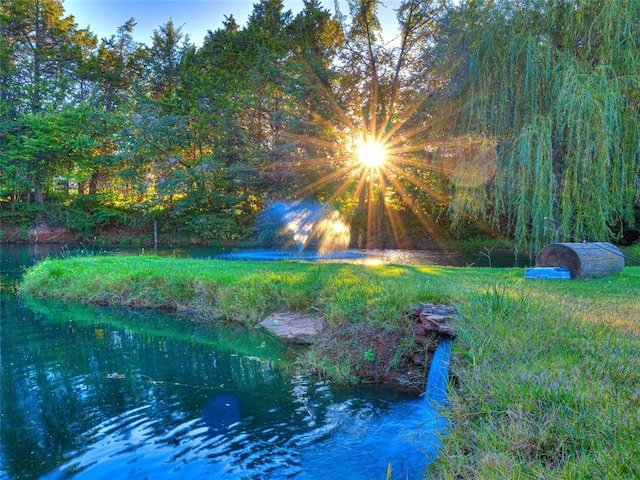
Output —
(584, 260)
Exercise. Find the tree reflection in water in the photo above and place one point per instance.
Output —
(92, 392)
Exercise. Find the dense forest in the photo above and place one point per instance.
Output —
(518, 119)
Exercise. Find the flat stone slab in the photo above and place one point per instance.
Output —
(293, 327)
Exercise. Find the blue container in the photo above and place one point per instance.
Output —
(547, 273)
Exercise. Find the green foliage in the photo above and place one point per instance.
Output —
(43, 50)
(369, 356)
(21, 214)
(194, 135)
(531, 133)
(558, 96)
(215, 227)
(526, 192)
(102, 217)
(634, 252)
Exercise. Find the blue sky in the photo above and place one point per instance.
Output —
(196, 17)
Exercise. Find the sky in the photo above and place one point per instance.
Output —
(196, 17)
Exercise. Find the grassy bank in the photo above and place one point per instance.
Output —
(362, 306)
(545, 378)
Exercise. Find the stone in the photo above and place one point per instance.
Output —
(442, 329)
(446, 311)
(427, 318)
(300, 328)
(418, 329)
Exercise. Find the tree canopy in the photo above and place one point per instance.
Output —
(513, 118)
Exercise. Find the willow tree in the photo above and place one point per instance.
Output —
(553, 86)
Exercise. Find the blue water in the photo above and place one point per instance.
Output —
(457, 258)
(100, 393)
(436, 386)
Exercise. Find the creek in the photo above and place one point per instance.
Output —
(102, 393)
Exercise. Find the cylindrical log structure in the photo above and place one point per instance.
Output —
(584, 260)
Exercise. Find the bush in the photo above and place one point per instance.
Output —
(22, 214)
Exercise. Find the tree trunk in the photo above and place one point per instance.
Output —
(93, 184)
(38, 194)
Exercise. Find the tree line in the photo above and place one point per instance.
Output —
(518, 119)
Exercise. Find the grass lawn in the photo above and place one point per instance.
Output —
(545, 374)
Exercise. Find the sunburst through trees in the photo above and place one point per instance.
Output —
(537, 129)
(374, 160)
(371, 153)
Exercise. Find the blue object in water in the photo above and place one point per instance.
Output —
(221, 412)
(547, 273)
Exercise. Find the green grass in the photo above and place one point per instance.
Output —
(545, 375)
(546, 381)
(239, 291)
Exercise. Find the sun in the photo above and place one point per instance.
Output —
(371, 154)
(379, 169)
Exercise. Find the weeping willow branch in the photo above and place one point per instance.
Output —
(557, 89)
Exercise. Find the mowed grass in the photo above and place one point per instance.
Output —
(243, 291)
(545, 374)
(546, 381)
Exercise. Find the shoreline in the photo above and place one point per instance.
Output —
(544, 374)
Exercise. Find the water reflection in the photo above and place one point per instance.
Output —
(67, 370)
(95, 393)
(221, 412)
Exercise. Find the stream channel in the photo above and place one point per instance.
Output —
(102, 393)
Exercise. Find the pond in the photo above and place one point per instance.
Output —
(93, 393)
(456, 258)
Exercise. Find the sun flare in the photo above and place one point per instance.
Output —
(371, 154)
(380, 170)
